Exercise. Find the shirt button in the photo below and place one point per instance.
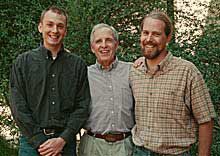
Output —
(53, 89)
(110, 87)
(53, 103)
(112, 112)
(113, 125)
(111, 99)
(53, 75)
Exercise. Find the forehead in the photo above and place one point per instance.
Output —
(155, 24)
(103, 33)
(51, 16)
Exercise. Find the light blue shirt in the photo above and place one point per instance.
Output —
(112, 104)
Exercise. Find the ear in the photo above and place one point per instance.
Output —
(65, 32)
(92, 48)
(116, 46)
(40, 27)
(169, 37)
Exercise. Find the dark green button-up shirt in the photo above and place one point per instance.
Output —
(49, 93)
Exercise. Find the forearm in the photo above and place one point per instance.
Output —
(21, 112)
(205, 138)
(80, 113)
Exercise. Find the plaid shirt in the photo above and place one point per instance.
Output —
(170, 103)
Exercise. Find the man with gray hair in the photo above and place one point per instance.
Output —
(112, 108)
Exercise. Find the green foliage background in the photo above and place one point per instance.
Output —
(18, 33)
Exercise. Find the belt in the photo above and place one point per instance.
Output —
(51, 131)
(110, 137)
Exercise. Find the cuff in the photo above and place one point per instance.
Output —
(67, 135)
(37, 140)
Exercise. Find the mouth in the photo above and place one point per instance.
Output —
(149, 46)
(104, 51)
(53, 37)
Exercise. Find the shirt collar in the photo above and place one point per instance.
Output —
(112, 66)
(165, 61)
(47, 53)
(161, 66)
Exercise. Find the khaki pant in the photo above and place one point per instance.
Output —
(91, 146)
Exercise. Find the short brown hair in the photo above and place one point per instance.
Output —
(54, 9)
(162, 17)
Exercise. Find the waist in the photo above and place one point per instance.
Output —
(141, 149)
(51, 131)
(110, 137)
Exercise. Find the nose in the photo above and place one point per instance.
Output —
(103, 44)
(55, 29)
(149, 37)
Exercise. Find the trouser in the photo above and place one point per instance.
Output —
(92, 146)
(140, 151)
(25, 149)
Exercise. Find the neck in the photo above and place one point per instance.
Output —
(106, 65)
(152, 63)
(54, 50)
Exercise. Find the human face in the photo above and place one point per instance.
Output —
(104, 46)
(53, 29)
(154, 39)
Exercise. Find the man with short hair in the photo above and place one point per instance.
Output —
(112, 107)
(49, 92)
(172, 102)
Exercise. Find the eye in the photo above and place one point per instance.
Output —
(60, 26)
(49, 24)
(98, 41)
(145, 33)
(109, 40)
(157, 34)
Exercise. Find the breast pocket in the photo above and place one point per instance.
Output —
(170, 104)
(68, 85)
(127, 97)
(36, 78)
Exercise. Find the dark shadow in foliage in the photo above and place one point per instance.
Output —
(7, 149)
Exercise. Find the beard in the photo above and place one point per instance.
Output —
(152, 54)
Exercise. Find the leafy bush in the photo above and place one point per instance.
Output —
(6, 148)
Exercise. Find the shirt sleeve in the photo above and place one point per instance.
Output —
(19, 106)
(81, 104)
(203, 109)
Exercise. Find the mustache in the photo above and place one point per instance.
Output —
(149, 43)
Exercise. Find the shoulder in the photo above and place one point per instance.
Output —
(75, 59)
(26, 56)
(124, 65)
(186, 65)
(92, 68)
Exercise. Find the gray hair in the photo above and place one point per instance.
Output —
(102, 25)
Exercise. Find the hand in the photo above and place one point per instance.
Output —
(52, 147)
(138, 62)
